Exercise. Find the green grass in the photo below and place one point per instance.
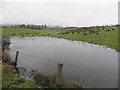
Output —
(11, 80)
(107, 38)
(23, 32)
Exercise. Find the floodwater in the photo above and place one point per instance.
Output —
(92, 65)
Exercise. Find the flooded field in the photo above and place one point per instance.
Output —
(92, 65)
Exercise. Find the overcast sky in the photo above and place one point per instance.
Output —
(65, 13)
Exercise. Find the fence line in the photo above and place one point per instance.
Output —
(74, 66)
(39, 57)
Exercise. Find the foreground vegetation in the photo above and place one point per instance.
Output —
(102, 35)
(40, 80)
(11, 78)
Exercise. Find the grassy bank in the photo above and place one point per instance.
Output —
(104, 35)
(10, 78)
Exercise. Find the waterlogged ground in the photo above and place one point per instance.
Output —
(93, 66)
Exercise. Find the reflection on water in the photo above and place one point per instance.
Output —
(93, 66)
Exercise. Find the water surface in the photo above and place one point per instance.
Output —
(93, 66)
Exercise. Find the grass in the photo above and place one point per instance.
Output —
(50, 81)
(23, 32)
(11, 80)
(107, 36)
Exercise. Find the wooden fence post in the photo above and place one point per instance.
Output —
(59, 72)
(16, 58)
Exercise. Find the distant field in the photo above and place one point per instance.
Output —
(107, 35)
(0, 32)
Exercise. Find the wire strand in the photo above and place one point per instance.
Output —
(74, 66)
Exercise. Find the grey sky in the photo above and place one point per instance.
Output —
(67, 13)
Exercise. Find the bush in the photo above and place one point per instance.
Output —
(50, 81)
(85, 33)
(44, 80)
(8, 69)
(5, 57)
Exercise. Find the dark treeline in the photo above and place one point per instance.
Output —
(45, 27)
(32, 26)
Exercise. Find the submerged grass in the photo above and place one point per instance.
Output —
(105, 35)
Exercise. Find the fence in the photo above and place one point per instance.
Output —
(53, 61)
(60, 65)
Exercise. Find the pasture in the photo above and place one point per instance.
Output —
(102, 35)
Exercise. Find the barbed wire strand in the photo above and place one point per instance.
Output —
(74, 66)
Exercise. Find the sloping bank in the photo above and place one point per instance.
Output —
(39, 80)
(10, 79)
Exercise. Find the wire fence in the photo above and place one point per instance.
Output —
(68, 68)
(42, 59)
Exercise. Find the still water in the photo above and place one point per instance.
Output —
(92, 65)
